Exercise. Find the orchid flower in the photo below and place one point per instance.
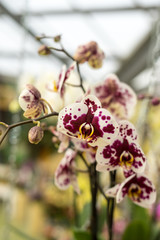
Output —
(138, 188)
(31, 102)
(65, 173)
(86, 120)
(90, 53)
(115, 96)
(58, 86)
(123, 152)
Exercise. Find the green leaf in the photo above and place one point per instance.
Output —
(85, 214)
(137, 229)
(139, 213)
(81, 234)
(155, 233)
(102, 218)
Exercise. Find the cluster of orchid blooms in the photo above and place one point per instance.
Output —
(97, 125)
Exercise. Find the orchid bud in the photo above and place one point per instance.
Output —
(44, 50)
(155, 101)
(35, 135)
(96, 60)
(90, 53)
(57, 38)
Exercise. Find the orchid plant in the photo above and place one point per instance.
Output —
(95, 128)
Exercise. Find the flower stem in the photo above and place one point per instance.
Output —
(98, 185)
(81, 80)
(94, 189)
(62, 49)
(9, 127)
(111, 206)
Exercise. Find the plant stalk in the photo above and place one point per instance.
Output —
(94, 189)
(111, 207)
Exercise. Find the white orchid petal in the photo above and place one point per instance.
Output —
(112, 192)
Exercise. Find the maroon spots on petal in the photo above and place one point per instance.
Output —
(100, 113)
(97, 130)
(75, 116)
(73, 125)
(108, 117)
(26, 98)
(66, 119)
(91, 105)
(103, 117)
(129, 132)
(109, 128)
(79, 109)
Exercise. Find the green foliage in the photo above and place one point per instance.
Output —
(140, 227)
(81, 234)
(102, 218)
(139, 213)
(137, 229)
(155, 234)
(84, 216)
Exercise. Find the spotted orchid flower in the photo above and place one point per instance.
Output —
(90, 53)
(123, 152)
(138, 188)
(65, 173)
(86, 120)
(31, 102)
(116, 96)
(85, 148)
(58, 86)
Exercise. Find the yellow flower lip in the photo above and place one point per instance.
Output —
(134, 191)
(86, 131)
(126, 159)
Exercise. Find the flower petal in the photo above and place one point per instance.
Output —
(74, 183)
(29, 97)
(64, 175)
(139, 162)
(123, 189)
(129, 99)
(92, 103)
(61, 80)
(34, 112)
(107, 155)
(112, 192)
(127, 130)
(64, 143)
(104, 168)
(70, 119)
(148, 194)
(117, 97)
(69, 71)
(105, 126)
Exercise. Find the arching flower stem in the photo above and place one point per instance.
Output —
(9, 127)
(62, 49)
